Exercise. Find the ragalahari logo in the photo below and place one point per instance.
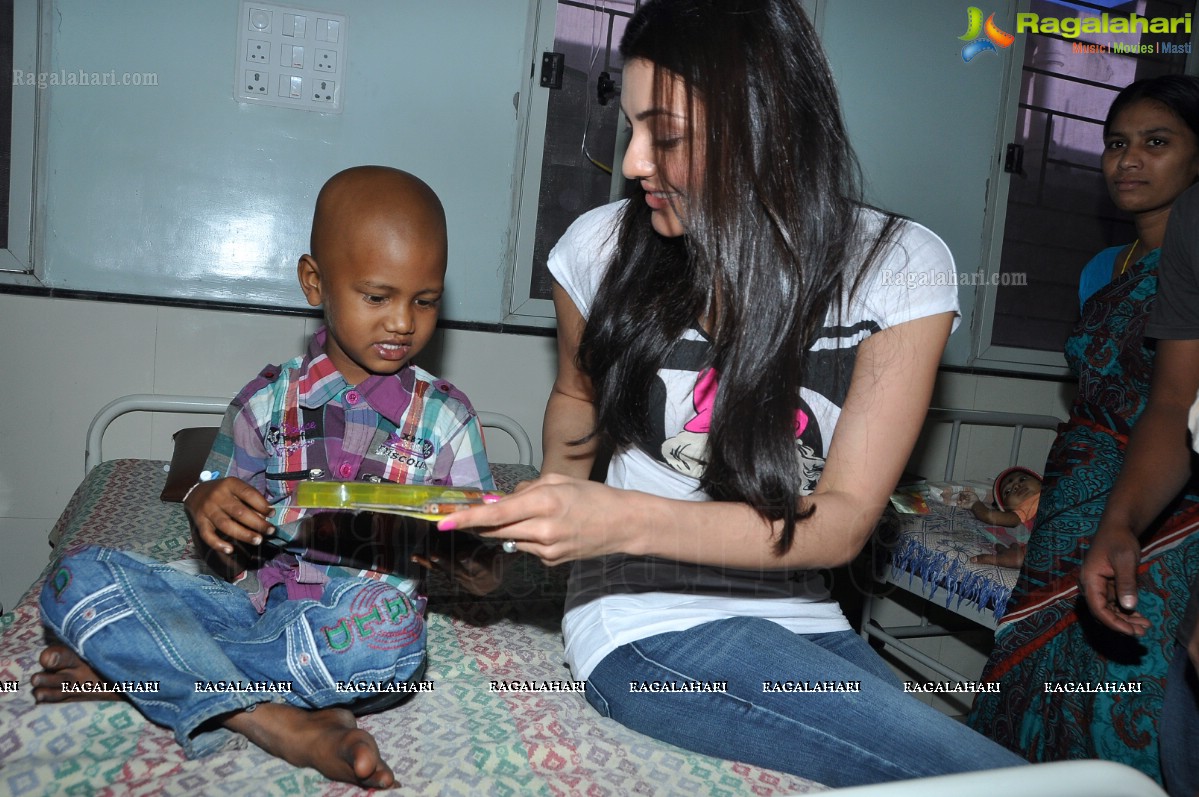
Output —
(992, 38)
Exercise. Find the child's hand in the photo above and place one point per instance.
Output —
(1004, 556)
(228, 513)
(967, 498)
(479, 571)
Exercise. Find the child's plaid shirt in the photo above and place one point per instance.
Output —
(302, 420)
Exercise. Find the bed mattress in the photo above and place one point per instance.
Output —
(462, 738)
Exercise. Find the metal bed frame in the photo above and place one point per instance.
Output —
(212, 405)
(895, 635)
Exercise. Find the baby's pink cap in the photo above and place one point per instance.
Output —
(999, 480)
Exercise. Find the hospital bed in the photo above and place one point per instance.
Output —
(466, 737)
(928, 554)
(463, 738)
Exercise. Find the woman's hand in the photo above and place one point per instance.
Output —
(1108, 579)
(556, 518)
(226, 513)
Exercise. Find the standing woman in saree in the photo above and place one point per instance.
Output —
(1067, 680)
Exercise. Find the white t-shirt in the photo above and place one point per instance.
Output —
(615, 600)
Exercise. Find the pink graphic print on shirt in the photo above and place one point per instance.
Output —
(686, 452)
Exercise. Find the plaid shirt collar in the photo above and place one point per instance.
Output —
(320, 382)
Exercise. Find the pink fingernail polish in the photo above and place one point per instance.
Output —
(449, 524)
(491, 498)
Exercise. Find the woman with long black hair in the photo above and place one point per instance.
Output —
(759, 349)
(1150, 158)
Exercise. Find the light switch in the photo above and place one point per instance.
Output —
(311, 49)
(294, 25)
(327, 30)
(291, 86)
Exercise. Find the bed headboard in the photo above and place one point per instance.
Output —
(1016, 421)
(211, 405)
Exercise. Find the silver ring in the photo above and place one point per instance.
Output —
(509, 546)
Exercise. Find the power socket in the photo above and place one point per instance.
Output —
(255, 83)
(258, 52)
(324, 91)
(326, 61)
(278, 61)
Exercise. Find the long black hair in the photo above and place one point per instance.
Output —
(772, 242)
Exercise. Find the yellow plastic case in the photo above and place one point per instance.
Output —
(427, 501)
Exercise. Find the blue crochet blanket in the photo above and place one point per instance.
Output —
(936, 548)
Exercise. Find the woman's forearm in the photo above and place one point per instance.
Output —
(734, 535)
(561, 518)
(882, 415)
(1158, 462)
(566, 443)
(568, 420)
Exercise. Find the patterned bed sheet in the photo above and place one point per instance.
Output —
(935, 548)
(460, 739)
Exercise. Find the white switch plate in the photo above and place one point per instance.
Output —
(290, 57)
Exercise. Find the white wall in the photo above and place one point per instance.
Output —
(177, 189)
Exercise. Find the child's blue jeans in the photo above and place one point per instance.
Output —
(134, 619)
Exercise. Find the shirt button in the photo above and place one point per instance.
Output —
(345, 470)
(353, 397)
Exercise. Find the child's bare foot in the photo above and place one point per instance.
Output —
(62, 669)
(328, 740)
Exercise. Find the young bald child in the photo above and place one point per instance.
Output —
(353, 408)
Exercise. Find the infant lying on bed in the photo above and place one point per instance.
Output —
(1017, 498)
(354, 407)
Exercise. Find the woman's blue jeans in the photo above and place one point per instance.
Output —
(837, 738)
(1180, 726)
(134, 619)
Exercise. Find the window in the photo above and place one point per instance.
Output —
(20, 39)
(6, 87)
(573, 139)
(1058, 213)
(571, 153)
